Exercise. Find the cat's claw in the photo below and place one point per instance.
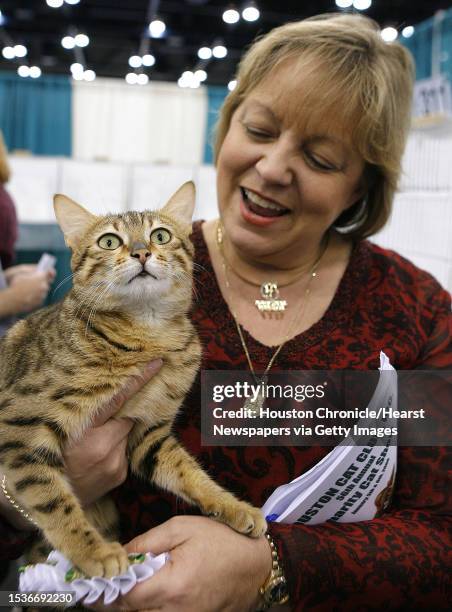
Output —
(106, 560)
(242, 517)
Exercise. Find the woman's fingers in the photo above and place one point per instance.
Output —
(133, 384)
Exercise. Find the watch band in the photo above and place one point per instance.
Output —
(274, 590)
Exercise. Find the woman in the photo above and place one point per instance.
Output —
(22, 288)
(310, 141)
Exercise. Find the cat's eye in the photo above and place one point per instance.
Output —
(160, 236)
(110, 242)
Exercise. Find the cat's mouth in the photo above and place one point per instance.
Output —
(142, 274)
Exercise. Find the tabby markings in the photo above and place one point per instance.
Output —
(49, 506)
(30, 481)
(118, 345)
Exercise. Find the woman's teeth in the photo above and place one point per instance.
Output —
(261, 206)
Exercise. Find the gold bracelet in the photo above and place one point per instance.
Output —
(274, 590)
(13, 502)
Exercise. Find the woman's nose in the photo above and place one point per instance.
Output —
(274, 165)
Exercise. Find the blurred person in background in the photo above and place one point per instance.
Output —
(22, 287)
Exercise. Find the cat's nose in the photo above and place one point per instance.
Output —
(139, 251)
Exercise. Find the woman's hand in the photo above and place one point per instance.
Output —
(97, 462)
(26, 292)
(14, 271)
(211, 568)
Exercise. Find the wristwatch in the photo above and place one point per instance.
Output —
(274, 590)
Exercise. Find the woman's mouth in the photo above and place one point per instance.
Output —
(261, 206)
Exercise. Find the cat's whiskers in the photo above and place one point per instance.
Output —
(65, 280)
(93, 294)
(99, 296)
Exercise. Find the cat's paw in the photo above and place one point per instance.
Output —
(106, 560)
(241, 516)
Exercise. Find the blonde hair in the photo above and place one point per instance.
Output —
(366, 83)
(5, 171)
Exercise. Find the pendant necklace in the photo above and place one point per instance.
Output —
(269, 290)
(255, 404)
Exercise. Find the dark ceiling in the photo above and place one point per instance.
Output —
(118, 29)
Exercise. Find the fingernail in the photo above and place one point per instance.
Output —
(154, 365)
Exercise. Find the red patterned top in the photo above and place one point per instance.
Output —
(395, 562)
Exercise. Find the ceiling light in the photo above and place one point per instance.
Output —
(89, 75)
(142, 79)
(55, 3)
(201, 75)
(232, 85)
(231, 16)
(20, 50)
(205, 53)
(186, 79)
(135, 61)
(2, 19)
(148, 60)
(81, 40)
(344, 3)
(76, 67)
(157, 28)
(362, 5)
(77, 75)
(251, 12)
(23, 71)
(408, 31)
(68, 42)
(35, 72)
(219, 51)
(132, 78)
(8, 53)
(389, 34)
(72, 1)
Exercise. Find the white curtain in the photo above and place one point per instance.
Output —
(157, 123)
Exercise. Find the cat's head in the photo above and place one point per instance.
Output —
(133, 260)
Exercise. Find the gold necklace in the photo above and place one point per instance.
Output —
(269, 290)
(255, 405)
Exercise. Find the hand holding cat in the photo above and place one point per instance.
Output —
(211, 568)
(97, 462)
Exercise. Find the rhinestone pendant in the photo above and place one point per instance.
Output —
(270, 301)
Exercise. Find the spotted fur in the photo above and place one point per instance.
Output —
(62, 364)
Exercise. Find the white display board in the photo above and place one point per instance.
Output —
(206, 193)
(34, 181)
(99, 186)
(152, 185)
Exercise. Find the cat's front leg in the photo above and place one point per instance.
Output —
(41, 489)
(158, 457)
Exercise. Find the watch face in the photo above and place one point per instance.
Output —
(278, 591)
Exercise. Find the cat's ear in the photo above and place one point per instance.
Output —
(182, 203)
(73, 219)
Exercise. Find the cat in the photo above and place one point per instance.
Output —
(131, 295)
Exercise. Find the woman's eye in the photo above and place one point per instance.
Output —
(319, 163)
(110, 242)
(160, 236)
(257, 133)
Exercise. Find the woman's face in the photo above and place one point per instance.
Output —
(279, 188)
